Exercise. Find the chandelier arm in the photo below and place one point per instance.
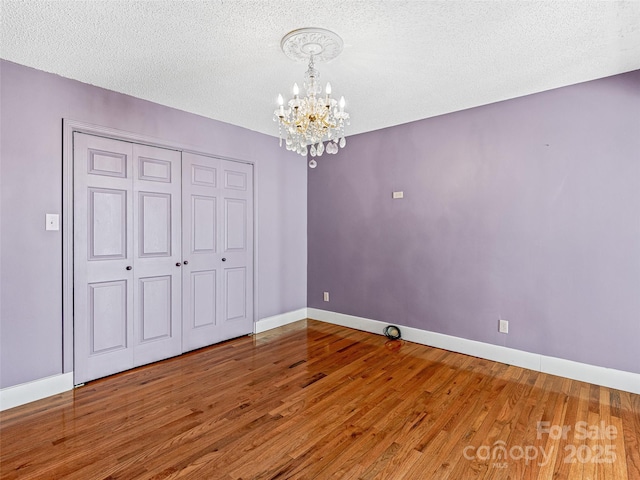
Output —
(303, 125)
(327, 124)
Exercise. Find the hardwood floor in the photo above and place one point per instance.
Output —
(315, 401)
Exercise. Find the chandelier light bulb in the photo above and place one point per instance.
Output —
(280, 106)
(342, 104)
(328, 89)
(296, 90)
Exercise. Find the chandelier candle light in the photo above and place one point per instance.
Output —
(315, 118)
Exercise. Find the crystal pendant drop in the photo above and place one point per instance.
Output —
(313, 164)
(343, 142)
(313, 150)
(320, 149)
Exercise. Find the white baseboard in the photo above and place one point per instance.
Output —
(630, 382)
(608, 377)
(28, 392)
(268, 323)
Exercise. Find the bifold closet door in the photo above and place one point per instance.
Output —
(127, 255)
(217, 218)
(157, 276)
(103, 255)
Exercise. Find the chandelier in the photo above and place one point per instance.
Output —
(315, 120)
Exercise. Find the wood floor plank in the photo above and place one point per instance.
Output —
(630, 423)
(317, 401)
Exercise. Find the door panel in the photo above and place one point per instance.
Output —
(107, 215)
(108, 316)
(235, 216)
(235, 180)
(212, 218)
(201, 236)
(158, 256)
(203, 175)
(203, 224)
(155, 311)
(155, 170)
(154, 230)
(237, 278)
(203, 312)
(103, 287)
(236, 293)
(112, 164)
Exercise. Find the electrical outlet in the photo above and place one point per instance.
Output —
(326, 296)
(504, 326)
(396, 195)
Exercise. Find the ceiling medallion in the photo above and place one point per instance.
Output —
(313, 119)
(300, 44)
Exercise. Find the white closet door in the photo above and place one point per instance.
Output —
(127, 256)
(218, 250)
(163, 254)
(157, 254)
(103, 257)
(237, 248)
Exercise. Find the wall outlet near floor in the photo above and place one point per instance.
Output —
(503, 327)
(326, 296)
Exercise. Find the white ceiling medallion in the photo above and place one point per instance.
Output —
(300, 44)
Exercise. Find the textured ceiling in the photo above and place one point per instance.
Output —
(402, 60)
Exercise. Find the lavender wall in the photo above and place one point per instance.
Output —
(528, 210)
(33, 106)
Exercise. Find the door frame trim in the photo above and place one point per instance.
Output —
(69, 127)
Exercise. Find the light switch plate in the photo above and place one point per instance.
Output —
(52, 221)
(397, 195)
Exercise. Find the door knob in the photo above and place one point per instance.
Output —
(224, 259)
(129, 267)
(178, 264)
(186, 262)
